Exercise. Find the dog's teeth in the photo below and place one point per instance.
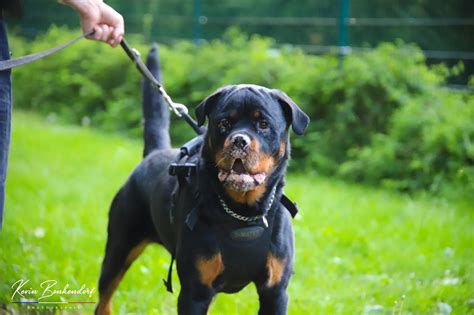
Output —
(223, 175)
(259, 178)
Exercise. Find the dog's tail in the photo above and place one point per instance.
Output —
(155, 111)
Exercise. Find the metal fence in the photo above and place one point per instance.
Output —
(443, 39)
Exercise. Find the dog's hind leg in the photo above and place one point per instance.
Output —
(128, 234)
(155, 111)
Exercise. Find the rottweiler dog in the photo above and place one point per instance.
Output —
(224, 223)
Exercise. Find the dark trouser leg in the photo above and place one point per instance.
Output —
(5, 115)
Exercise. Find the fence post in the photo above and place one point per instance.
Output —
(343, 37)
(197, 25)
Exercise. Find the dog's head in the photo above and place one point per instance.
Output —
(247, 137)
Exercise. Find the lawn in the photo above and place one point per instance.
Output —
(359, 250)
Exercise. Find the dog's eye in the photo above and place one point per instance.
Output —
(223, 125)
(263, 124)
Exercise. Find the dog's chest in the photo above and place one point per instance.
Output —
(244, 252)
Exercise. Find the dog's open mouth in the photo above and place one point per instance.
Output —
(239, 179)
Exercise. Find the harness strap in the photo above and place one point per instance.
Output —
(192, 218)
(169, 281)
(12, 63)
(289, 205)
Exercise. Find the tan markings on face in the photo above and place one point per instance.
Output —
(222, 157)
(254, 146)
(104, 307)
(275, 269)
(209, 269)
(249, 197)
(233, 114)
(260, 162)
(223, 161)
(256, 114)
(265, 164)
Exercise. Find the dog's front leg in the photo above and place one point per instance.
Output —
(197, 275)
(272, 291)
(273, 300)
(200, 268)
(194, 299)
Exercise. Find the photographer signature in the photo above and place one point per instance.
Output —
(48, 288)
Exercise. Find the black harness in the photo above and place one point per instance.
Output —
(185, 169)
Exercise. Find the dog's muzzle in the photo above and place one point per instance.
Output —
(238, 178)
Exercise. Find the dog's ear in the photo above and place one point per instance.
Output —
(294, 115)
(206, 106)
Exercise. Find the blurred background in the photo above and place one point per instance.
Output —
(361, 71)
(442, 29)
(384, 174)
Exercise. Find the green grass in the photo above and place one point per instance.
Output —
(357, 248)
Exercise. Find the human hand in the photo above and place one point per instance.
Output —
(107, 23)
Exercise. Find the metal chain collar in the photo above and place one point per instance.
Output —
(245, 218)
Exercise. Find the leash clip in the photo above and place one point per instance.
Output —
(136, 52)
(179, 109)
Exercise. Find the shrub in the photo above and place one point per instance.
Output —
(381, 117)
(430, 140)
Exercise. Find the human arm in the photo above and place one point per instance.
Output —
(95, 14)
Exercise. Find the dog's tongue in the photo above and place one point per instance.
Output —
(239, 167)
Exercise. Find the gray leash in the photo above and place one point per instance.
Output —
(179, 109)
(12, 63)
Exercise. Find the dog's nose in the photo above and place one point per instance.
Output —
(241, 141)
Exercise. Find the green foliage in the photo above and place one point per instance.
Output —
(433, 25)
(88, 82)
(430, 140)
(357, 249)
(381, 117)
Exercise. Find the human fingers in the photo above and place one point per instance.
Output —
(97, 31)
(112, 18)
(116, 37)
(105, 33)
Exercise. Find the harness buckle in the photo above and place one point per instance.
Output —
(184, 170)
